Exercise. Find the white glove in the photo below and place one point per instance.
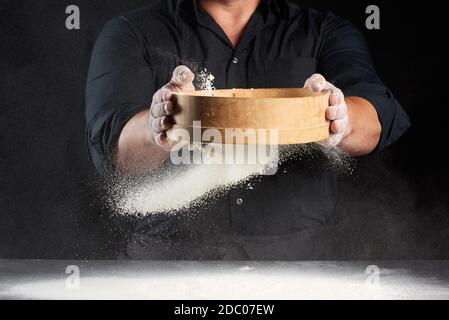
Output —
(161, 111)
(336, 113)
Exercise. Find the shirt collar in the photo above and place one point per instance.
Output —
(278, 7)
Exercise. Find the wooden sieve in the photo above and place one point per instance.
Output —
(298, 114)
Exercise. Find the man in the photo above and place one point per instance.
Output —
(244, 44)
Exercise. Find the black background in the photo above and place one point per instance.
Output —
(394, 206)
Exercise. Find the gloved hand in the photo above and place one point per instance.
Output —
(337, 112)
(161, 111)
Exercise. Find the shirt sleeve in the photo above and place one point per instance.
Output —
(346, 62)
(120, 84)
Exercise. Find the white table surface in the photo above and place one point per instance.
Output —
(47, 279)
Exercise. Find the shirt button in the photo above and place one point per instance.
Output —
(235, 60)
(239, 201)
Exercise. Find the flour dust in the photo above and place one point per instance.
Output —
(205, 82)
(171, 189)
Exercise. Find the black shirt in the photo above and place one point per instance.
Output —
(282, 46)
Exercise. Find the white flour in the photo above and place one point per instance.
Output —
(205, 81)
(172, 188)
(305, 280)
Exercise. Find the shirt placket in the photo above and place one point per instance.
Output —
(236, 77)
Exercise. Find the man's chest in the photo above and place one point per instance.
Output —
(266, 59)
